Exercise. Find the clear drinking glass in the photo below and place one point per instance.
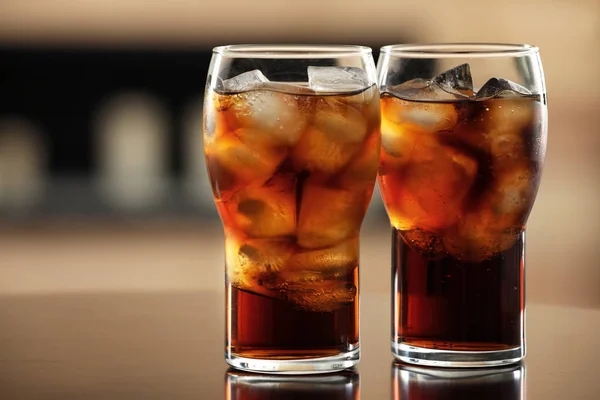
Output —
(291, 138)
(464, 130)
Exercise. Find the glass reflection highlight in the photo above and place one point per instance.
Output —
(344, 385)
(419, 383)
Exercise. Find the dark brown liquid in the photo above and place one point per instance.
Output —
(448, 304)
(264, 327)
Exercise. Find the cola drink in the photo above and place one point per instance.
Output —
(458, 176)
(292, 170)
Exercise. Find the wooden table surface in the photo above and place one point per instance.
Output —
(169, 345)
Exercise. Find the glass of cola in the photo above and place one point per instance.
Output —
(292, 142)
(464, 130)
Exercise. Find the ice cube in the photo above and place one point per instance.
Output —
(477, 238)
(276, 119)
(328, 216)
(504, 127)
(510, 115)
(334, 137)
(337, 79)
(411, 89)
(318, 152)
(339, 121)
(430, 189)
(454, 84)
(430, 116)
(456, 81)
(361, 171)
(245, 81)
(403, 209)
(253, 265)
(339, 259)
(398, 141)
(511, 196)
(439, 177)
(232, 163)
(507, 149)
(267, 210)
(427, 244)
(493, 226)
(500, 87)
(323, 296)
(305, 269)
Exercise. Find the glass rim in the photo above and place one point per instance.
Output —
(459, 50)
(291, 51)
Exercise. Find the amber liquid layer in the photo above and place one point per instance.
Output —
(266, 327)
(448, 304)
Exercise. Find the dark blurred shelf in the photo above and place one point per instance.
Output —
(78, 197)
(61, 89)
(84, 197)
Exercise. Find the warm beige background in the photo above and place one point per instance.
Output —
(563, 248)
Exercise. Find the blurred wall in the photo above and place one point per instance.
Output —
(563, 257)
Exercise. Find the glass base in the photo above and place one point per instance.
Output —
(296, 367)
(456, 359)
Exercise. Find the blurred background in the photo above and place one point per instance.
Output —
(102, 179)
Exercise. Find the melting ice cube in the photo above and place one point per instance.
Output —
(500, 87)
(245, 81)
(453, 84)
(337, 79)
(456, 81)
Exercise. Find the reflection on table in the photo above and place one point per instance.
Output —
(420, 383)
(240, 385)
